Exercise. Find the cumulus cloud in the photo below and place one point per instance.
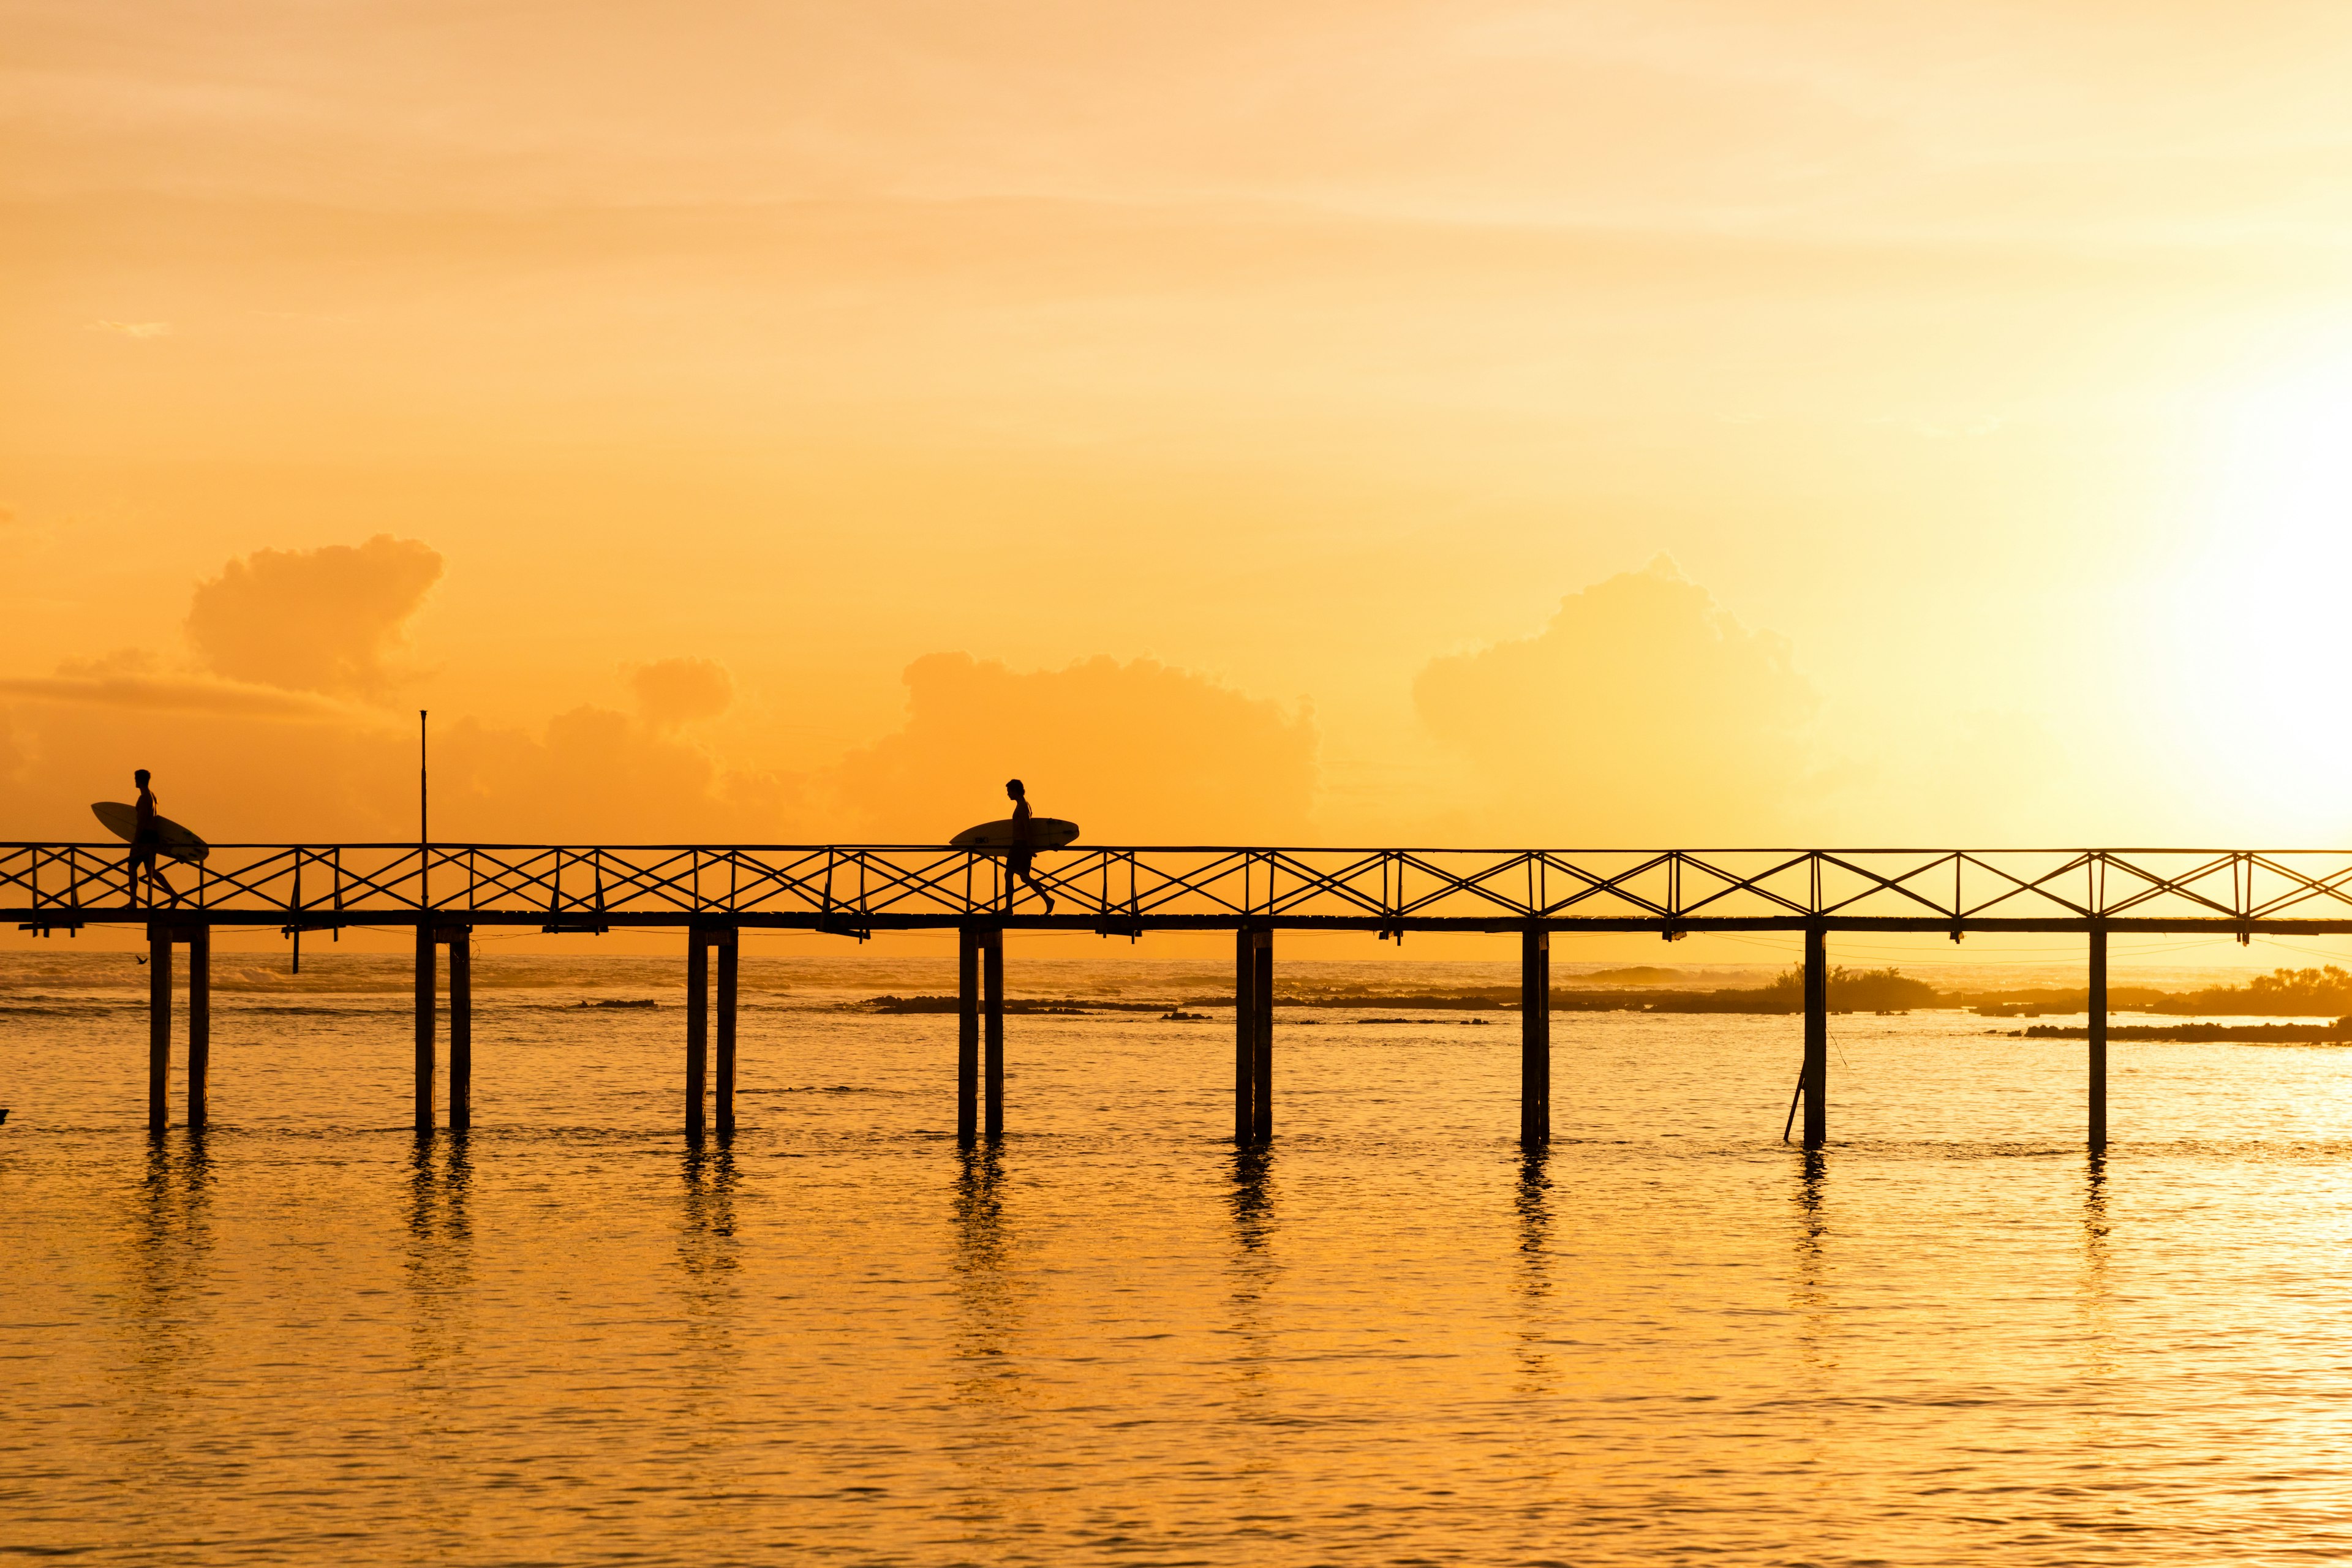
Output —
(319, 620)
(1135, 753)
(1644, 711)
(675, 691)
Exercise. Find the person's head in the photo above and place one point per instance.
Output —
(1013, 787)
(139, 778)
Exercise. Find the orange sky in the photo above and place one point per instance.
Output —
(1590, 422)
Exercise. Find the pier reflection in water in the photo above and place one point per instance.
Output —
(437, 1269)
(710, 1265)
(1255, 1268)
(437, 1259)
(1391, 1334)
(165, 1321)
(1253, 1312)
(1534, 1282)
(985, 1288)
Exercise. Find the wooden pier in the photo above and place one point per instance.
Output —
(446, 891)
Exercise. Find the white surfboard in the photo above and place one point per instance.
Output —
(1044, 833)
(173, 840)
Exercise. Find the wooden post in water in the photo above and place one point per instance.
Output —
(159, 1027)
(427, 963)
(200, 1024)
(1816, 1079)
(1244, 1035)
(2097, 1003)
(698, 1027)
(723, 1100)
(1535, 1037)
(461, 1026)
(992, 1030)
(1262, 1099)
(967, 1035)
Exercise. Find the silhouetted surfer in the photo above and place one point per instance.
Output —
(1017, 861)
(146, 842)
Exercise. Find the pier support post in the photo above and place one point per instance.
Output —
(723, 1096)
(1262, 1099)
(697, 1027)
(1816, 1080)
(460, 942)
(992, 1035)
(427, 963)
(159, 1027)
(200, 1024)
(1535, 1037)
(2097, 1005)
(967, 1035)
(1244, 1035)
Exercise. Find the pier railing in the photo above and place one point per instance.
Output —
(445, 890)
(859, 889)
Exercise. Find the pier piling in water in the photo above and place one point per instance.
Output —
(993, 1021)
(968, 942)
(1262, 1097)
(159, 1027)
(199, 939)
(2097, 1004)
(427, 963)
(701, 941)
(460, 939)
(1535, 1037)
(160, 939)
(1244, 1035)
(1816, 1079)
(723, 1096)
(697, 1027)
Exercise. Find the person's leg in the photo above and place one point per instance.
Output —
(144, 858)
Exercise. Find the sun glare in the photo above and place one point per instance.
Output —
(2254, 627)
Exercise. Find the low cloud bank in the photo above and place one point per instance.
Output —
(1644, 713)
(1138, 753)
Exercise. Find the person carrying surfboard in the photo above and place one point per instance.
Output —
(1016, 862)
(146, 843)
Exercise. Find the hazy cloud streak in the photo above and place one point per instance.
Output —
(172, 694)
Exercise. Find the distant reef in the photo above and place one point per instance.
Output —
(2336, 1033)
(1066, 1005)
(1850, 991)
(2284, 992)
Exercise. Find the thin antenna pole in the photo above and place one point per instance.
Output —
(423, 857)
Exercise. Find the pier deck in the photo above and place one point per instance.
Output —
(853, 888)
(714, 891)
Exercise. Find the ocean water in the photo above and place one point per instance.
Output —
(1392, 1337)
